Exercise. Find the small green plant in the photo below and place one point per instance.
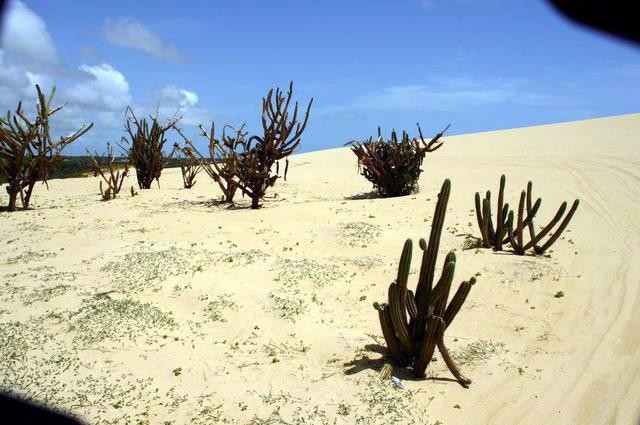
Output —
(413, 325)
(471, 242)
(559, 294)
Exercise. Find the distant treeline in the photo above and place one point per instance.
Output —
(79, 166)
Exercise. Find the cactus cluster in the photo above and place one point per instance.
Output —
(393, 166)
(281, 135)
(222, 164)
(237, 162)
(146, 143)
(510, 229)
(413, 324)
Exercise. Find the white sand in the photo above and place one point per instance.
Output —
(322, 258)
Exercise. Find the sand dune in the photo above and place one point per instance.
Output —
(169, 307)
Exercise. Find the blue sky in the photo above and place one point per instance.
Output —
(479, 64)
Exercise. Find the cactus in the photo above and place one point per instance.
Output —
(413, 325)
(114, 179)
(222, 164)
(246, 164)
(27, 150)
(393, 166)
(281, 135)
(516, 237)
(493, 237)
(146, 145)
(189, 165)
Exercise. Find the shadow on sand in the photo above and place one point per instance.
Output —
(366, 363)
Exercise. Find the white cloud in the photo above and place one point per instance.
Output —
(172, 101)
(103, 88)
(190, 98)
(448, 95)
(11, 76)
(14, 84)
(25, 35)
(180, 97)
(130, 33)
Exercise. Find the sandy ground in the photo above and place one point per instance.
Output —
(168, 308)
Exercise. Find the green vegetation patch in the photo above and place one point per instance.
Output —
(15, 340)
(364, 261)
(359, 233)
(477, 352)
(384, 403)
(141, 270)
(242, 258)
(105, 319)
(471, 242)
(44, 294)
(291, 272)
(215, 309)
(289, 303)
(30, 256)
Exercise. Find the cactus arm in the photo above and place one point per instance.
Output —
(561, 228)
(481, 222)
(390, 337)
(403, 269)
(398, 299)
(548, 227)
(499, 219)
(532, 230)
(500, 236)
(465, 382)
(520, 218)
(457, 301)
(434, 238)
(427, 287)
(427, 270)
(425, 348)
(486, 225)
(528, 221)
(491, 231)
(515, 243)
(412, 307)
(397, 312)
(440, 293)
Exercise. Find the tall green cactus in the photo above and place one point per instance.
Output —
(413, 325)
(493, 237)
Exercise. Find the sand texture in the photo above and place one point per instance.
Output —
(170, 308)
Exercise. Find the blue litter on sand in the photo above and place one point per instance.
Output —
(398, 382)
